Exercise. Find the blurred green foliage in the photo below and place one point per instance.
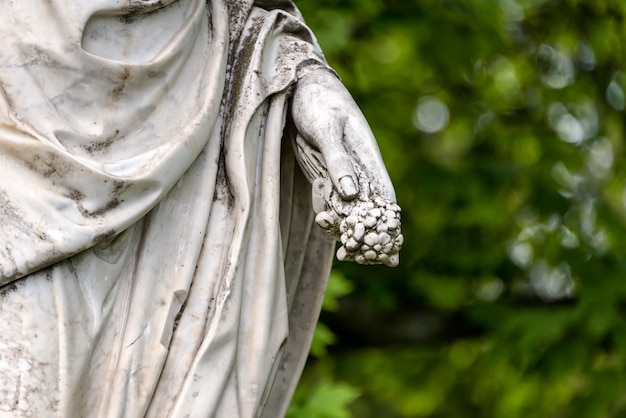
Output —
(502, 126)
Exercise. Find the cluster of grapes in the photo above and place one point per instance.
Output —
(369, 230)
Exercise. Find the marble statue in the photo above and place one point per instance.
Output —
(158, 249)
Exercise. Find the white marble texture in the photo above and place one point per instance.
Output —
(158, 255)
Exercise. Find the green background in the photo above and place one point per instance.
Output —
(502, 126)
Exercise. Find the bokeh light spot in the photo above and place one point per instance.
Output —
(615, 95)
(431, 115)
(555, 67)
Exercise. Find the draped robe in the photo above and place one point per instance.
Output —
(157, 253)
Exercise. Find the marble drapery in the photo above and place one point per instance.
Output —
(156, 243)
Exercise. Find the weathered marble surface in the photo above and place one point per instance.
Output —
(158, 254)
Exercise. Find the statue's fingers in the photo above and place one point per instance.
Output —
(360, 142)
(341, 173)
(338, 163)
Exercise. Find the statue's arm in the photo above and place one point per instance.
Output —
(327, 117)
(353, 194)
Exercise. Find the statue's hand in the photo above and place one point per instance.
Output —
(352, 192)
(327, 118)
